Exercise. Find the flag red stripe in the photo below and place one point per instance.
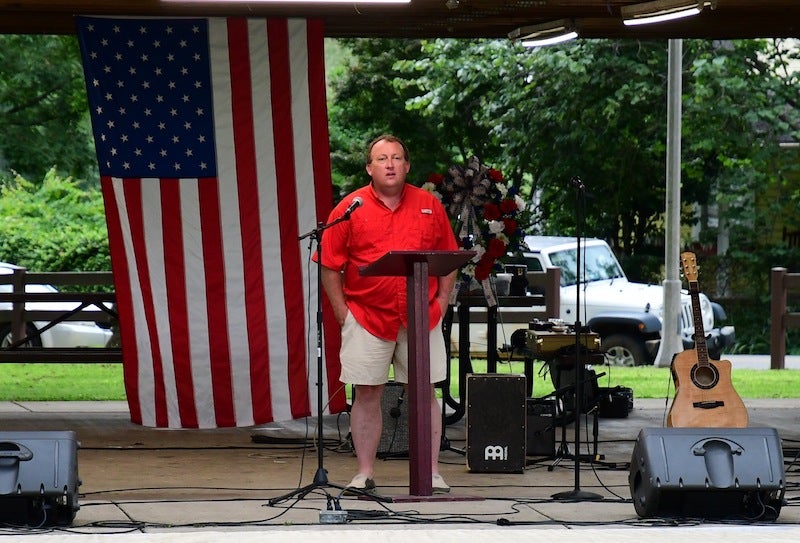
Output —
(249, 213)
(218, 339)
(281, 92)
(122, 288)
(175, 283)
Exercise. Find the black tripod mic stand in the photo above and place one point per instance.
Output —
(576, 494)
(321, 475)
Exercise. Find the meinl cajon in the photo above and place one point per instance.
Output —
(496, 419)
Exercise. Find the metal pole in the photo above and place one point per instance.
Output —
(670, 334)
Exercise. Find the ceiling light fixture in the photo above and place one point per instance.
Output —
(545, 34)
(661, 10)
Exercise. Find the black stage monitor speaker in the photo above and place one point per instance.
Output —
(496, 423)
(708, 473)
(38, 478)
(540, 436)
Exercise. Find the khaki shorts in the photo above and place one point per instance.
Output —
(365, 358)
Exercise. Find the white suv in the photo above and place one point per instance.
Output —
(626, 315)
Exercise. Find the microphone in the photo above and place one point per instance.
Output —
(395, 412)
(355, 204)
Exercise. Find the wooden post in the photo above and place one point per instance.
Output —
(18, 308)
(552, 291)
(777, 310)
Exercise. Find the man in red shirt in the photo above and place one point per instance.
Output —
(372, 310)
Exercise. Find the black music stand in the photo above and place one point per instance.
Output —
(417, 266)
(576, 494)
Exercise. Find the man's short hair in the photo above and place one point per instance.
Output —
(390, 138)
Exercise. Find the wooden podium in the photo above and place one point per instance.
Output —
(417, 266)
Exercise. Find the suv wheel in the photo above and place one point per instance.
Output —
(624, 350)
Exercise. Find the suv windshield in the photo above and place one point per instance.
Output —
(597, 261)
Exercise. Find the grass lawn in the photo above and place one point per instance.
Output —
(651, 382)
(42, 382)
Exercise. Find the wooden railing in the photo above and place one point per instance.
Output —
(791, 237)
(782, 284)
(93, 305)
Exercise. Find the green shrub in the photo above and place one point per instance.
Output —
(55, 225)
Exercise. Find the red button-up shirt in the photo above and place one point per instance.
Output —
(419, 223)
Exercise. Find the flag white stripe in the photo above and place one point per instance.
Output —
(154, 234)
(272, 274)
(235, 307)
(306, 196)
(196, 306)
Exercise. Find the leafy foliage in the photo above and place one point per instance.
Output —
(367, 100)
(44, 109)
(595, 109)
(53, 226)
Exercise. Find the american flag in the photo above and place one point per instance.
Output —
(212, 141)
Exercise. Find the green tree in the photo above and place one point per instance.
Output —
(595, 109)
(44, 109)
(368, 98)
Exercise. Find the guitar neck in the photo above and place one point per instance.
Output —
(699, 332)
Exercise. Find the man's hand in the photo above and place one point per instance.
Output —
(334, 288)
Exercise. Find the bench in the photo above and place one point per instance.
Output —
(102, 301)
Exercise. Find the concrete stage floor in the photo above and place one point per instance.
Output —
(216, 485)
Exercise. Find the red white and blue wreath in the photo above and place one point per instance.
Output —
(490, 218)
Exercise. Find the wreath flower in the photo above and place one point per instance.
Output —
(490, 217)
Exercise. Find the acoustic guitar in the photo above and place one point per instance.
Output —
(704, 395)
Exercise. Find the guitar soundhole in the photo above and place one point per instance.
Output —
(705, 377)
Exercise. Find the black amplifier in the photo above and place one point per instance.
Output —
(615, 402)
(540, 438)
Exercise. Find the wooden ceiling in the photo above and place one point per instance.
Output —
(428, 18)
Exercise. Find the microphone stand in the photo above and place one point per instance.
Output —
(321, 475)
(576, 494)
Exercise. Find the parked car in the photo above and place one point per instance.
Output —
(627, 316)
(63, 334)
